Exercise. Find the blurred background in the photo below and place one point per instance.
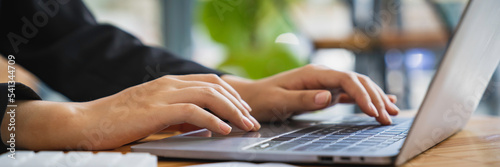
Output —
(398, 43)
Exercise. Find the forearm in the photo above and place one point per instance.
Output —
(49, 125)
(43, 125)
(95, 125)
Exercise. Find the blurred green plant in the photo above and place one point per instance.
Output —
(248, 30)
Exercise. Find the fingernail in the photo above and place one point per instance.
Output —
(322, 98)
(224, 127)
(374, 110)
(395, 107)
(248, 123)
(388, 117)
(255, 123)
(246, 105)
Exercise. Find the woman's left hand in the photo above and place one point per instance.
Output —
(310, 88)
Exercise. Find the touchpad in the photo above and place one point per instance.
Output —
(267, 130)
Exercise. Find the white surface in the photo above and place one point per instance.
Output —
(78, 158)
(21, 157)
(138, 159)
(43, 158)
(242, 164)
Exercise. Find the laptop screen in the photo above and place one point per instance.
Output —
(460, 81)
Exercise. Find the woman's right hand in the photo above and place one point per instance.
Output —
(171, 100)
(134, 113)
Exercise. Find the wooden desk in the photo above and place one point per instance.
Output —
(478, 144)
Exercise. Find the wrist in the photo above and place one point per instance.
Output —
(236, 81)
(241, 85)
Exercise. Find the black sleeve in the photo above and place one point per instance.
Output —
(61, 43)
(22, 92)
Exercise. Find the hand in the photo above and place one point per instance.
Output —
(132, 114)
(310, 88)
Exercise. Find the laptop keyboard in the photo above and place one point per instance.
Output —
(337, 137)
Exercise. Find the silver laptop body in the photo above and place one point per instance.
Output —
(453, 95)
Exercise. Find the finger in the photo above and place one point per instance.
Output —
(345, 98)
(192, 114)
(212, 78)
(256, 124)
(184, 127)
(171, 128)
(307, 100)
(220, 85)
(377, 100)
(352, 86)
(227, 94)
(393, 98)
(324, 78)
(219, 88)
(318, 77)
(208, 97)
(392, 109)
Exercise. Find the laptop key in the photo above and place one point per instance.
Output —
(385, 136)
(313, 136)
(306, 138)
(292, 135)
(298, 142)
(349, 140)
(323, 141)
(366, 144)
(380, 137)
(326, 140)
(283, 139)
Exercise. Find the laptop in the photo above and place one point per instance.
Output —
(454, 93)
